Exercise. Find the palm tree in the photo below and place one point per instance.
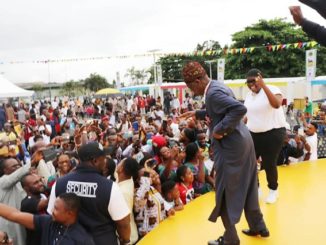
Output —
(137, 76)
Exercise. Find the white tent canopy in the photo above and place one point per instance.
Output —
(10, 90)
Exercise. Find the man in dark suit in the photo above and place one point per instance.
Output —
(234, 156)
(313, 30)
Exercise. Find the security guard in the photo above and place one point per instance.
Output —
(104, 211)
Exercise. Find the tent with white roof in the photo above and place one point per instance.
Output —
(10, 90)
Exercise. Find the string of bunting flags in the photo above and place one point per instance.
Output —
(270, 48)
(226, 51)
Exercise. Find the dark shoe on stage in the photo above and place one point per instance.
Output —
(221, 241)
(262, 233)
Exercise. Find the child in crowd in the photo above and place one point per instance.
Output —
(171, 196)
(185, 178)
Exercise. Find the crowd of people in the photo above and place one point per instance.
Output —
(149, 161)
(131, 164)
(108, 171)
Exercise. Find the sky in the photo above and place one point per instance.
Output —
(41, 29)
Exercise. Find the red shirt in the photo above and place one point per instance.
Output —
(187, 193)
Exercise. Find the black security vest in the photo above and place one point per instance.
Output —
(94, 191)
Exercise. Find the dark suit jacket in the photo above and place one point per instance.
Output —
(234, 154)
(314, 30)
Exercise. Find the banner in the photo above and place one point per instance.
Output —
(220, 69)
(311, 62)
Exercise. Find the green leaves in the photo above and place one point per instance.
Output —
(95, 82)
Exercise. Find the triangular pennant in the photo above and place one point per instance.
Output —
(313, 43)
(296, 45)
(251, 50)
(279, 47)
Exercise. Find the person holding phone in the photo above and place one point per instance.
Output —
(266, 121)
(11, 172)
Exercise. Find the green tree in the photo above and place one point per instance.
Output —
(95, 82)
(282, 63)
(114, 84)
(68, 88)
(172, 64)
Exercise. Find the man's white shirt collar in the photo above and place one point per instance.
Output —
(207, 86)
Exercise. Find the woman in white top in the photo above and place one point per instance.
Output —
(266, 122)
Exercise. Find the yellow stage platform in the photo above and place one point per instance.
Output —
(298, 217)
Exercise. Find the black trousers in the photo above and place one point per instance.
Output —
(268, 146)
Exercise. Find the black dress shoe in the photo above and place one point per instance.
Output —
(262, 233)
(221, 241)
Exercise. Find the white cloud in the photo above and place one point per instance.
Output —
(40, 29)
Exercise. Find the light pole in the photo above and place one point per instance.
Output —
(153, 51)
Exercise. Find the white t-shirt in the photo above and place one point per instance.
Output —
(118, 208)
(175, 131)
(160, 114)
(313, 142)
(262, 117)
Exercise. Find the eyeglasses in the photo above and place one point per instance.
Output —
(5, 239)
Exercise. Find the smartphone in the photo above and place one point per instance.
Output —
(49, 154)
(135, 126)
(301, 132)
(291, 136)
(151, 163)
(164, 124)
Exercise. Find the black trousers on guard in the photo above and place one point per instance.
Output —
(268, 146)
